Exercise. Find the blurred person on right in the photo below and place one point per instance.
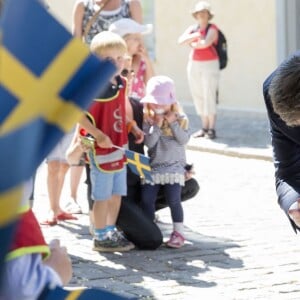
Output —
(203, 67)
(282, 98)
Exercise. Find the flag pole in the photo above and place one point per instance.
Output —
(120, 148)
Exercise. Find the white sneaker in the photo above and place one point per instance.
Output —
(73, 207)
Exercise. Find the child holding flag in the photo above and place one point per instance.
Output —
(107, 161)
(166, 134)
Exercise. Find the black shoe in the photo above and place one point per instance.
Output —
(112, 245)
(118, 236)
(211, 134)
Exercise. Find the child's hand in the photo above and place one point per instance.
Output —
(171, 117)
(86, 143)
(138, 134)
(142, 51)
(60, 261)
(103, 140)
(158, 120)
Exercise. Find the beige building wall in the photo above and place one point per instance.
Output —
(250, 28)
(62, 9)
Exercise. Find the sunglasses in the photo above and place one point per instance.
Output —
(126, 72)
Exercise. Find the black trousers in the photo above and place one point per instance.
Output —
(137, 227)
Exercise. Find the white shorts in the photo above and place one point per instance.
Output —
(59, 152)
(203, 79)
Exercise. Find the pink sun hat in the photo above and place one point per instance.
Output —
(160, 90)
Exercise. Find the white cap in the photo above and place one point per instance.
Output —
(200, 6)
(128, 26)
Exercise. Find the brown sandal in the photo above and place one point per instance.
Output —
(211, 134)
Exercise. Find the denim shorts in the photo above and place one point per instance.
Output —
(105, 184)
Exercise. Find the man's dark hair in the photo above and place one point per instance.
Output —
(284, 90)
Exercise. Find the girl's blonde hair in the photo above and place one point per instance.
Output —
(175, 107)
(105, 41)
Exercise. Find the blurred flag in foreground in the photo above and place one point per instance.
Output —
(82, 294)
(47, 78)
(139, 164)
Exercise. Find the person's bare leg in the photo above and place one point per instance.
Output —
(114, 205)
(75, 176)
(100, 211)
(55, 180)
(205, 122)
(72, 205)
(211, 121)
(205, 126)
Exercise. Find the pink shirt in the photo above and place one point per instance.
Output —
(208, 53)
(138, 84)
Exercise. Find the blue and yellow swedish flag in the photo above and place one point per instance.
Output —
(138, 164)
(47, 78)
(83, 294)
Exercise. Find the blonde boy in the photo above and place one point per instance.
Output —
(107, 123)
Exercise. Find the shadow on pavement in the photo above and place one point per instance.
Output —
(119, 272)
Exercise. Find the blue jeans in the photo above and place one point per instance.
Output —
(173, 196)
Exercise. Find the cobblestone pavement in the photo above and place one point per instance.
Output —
(240, 245)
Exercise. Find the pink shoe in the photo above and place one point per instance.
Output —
(176, 240)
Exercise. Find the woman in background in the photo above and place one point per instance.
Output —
(203, 67)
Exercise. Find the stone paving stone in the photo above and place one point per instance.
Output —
(240, 245)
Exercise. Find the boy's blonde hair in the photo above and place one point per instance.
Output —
(105, 41)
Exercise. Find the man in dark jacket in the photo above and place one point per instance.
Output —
(282, 98)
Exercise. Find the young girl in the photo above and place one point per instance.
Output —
(141, 65)
(166, 134)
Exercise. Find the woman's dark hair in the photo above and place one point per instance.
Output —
(284, 90)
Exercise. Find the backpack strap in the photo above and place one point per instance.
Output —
(89, 24)
(197, 27)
